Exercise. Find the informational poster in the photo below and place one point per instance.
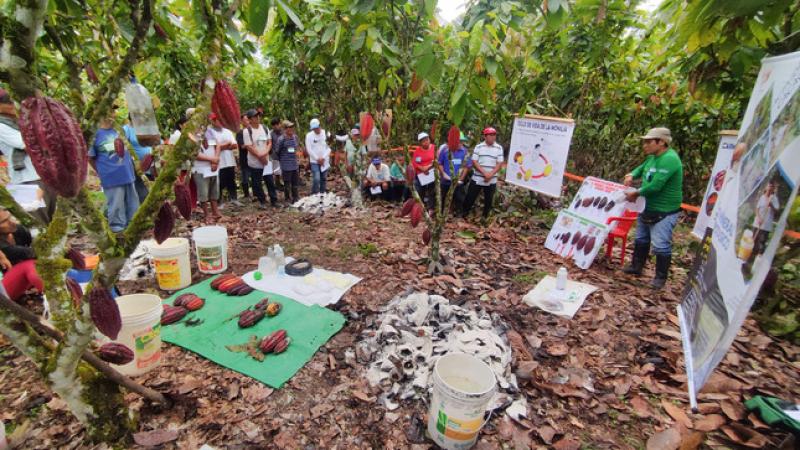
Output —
(580, 230)
(748, 223)
(716, 181)
(538, 153)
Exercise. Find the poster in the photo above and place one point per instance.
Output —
(538, 153)
(716, 181)
(748, 223)
(580, 230)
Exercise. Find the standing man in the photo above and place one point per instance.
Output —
(287, 156)
(318, 151)
(244, 173)
(767, 208)
(206, 177)
(258, 146)
(354, 152)
(141, 151)
(226, 144)
(487, 160)
(274, 134)
(459, 159)
(662, 186)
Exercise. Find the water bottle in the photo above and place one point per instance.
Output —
(280, 258)
(561, 279)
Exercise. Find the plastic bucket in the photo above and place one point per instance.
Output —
(211, 247)
(171, 264)
(463, 386)
(141, 331)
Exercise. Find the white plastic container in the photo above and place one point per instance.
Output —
(171, 264)
(143, 117)
(746, 244)
(561, 279)
(211, 247)
(462, 388)
(141, 331)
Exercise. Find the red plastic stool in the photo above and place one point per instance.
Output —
(624, 224)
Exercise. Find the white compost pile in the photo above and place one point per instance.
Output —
(138, 265)
(316, 203)
(414, 331)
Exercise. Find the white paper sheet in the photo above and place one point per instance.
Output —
(268, 168)
(426, 179)
(565, 303)
(375, 190)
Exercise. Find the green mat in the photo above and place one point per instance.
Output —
(309, 327)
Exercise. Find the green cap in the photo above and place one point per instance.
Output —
(463, 137)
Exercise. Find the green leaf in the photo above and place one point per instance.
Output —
(292, 15)
(257, 13)
(329, 32)
(358, 41)
(382, 86)
(425, 64)
(466, 234)
(430, 7)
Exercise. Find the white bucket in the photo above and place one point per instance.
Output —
(463, 386)
(171, 264)
(141, 331)
(211, 247)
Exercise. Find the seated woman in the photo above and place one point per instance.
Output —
(17, 259)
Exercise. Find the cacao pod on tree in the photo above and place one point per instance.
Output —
(426, 236)
(91, 75)
(225, 105)
(77, 258)
(75, 291)
(416, 215)
(411, 173)
(146, 162)
(453, 139)
(407, 206)
(104, 311)
(164, 223)
(115, 353)
(54, 141)
(366, 125)
(183, 200)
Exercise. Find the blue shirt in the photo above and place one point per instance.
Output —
(287, 152)
(130, 134)
(113, 170)
(458, 159)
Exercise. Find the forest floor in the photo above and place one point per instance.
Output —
(612, 377)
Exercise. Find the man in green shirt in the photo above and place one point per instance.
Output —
(662, 187)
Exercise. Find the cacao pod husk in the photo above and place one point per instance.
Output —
(104, 311)
(366, 125)
(416, 215)
(273, 309)
(243, 290)
(182, 299)
(230, 283)
(262, 304)
(172, 314)
(426, 236)
(407, 206)
(54, 141)
(146, 162)
(75, 291)
(164, 223)
(217, 281)
(119, 147)
(183, 200)
(269, 342)
(281, 346)
(77, 258)
(115, 353)
(453, 139)
(225, 105)
(194, 304)
(250, 317)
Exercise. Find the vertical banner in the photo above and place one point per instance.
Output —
(716, 180)
(538, 153)
(750, 216)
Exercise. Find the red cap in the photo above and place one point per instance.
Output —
(489, 130)
(213, 116)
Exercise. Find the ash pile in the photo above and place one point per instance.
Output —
(318, 203)
(412, 333)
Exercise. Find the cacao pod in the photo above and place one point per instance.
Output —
(244, 289)
(160, 31)
(416, 84)
(453, 139)
(250, 317)
(91, 75)
(407, 206)
(262, 304)
(426, 236)
(229, 283)
(434, 130)
(367, 124)
(115, 353)
(270, 341)
(194, 304)
(119, 147)
(172, 314)
(164, 223)
(411, 173)
(54, 141)
(183, 200)
(416, 215)
(225, 105)
(75, 291)
(104, 311)
(281, 346)
(146, 162)
(182, 299)
(77, 258)
(217, 281)
(273, 309)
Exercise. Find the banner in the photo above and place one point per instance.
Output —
(580, 230)
(748, 224)
(538, 153)
(716, 181)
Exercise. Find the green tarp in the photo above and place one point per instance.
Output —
(309, 327)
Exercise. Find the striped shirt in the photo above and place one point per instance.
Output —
(488, 157)
(287, 152)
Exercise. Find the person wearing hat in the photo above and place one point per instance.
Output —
(286, 148)
(354, 151)
(244, 171)
(318, 154)
(422, 162)
(377, 180)
(226, 144)
(461, 166)
(662, 186)
(258, 146)
(487, 160)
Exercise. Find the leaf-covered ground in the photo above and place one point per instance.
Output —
(610, 378)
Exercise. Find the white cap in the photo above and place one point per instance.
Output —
(314, 124)
(422, 136)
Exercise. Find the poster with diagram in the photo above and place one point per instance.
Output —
(538, 153)
(716, 180)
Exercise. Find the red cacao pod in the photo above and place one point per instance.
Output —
(146, 162)
(225, 105)
(218, 281)
(119, 147)
(182, 299)
(366, 126)
(75, 291)
(250, 317)
(269, 342)
(453, 138)
(115, 353)
(411, 173)
(407, 206)
(183, 200)
(416, 215)
(416, 83)
(426, 236)
(434, 130)
(104, 311)
(164, 223)
(77, 258)
(194, 304)
(160, 31)
(172, 314)
(262, 304)
(55, 143)
(281, 346)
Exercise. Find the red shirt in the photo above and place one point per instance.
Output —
(423, 158)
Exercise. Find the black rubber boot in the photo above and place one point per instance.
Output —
(662, 271)
(640, 254)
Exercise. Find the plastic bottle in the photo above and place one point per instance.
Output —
(746, 245)
(143, 117)
(561, 279)
(280, 258)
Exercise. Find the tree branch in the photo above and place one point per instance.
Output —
(73, 65)
(22, 33)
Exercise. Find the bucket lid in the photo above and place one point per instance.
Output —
(210, 232)
(137, 305)
(170, 244)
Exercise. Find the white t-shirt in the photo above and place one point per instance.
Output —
(316, 146)
(223, 136)
(204, 167)
(9, 140)
(488, 157)
(382, 174)
(257, 137)
(765, 212)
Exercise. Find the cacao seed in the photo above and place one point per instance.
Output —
(250, 317)
(273, 309)
(416, 215)
(104, 311)
(115, 353)
(172, 314)
(225, 105)
(183, 200)
(54, 141)
(164, 223)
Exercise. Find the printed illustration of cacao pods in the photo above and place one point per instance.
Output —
(367, 125)
(75, 291)
(194, 304)
(426, 236)
(172, 314)
(104, 311)
(416, 215)
(250, 317)
(270, 341)
(77, 258)
(406, 210)
(119, 147)
(54, 141)
(182, 299)
(115, 353)
(453, 138)
(281, 346)
(225, 105)
(164, 223)
(183, 200)
(146, 162)
(273, 309)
